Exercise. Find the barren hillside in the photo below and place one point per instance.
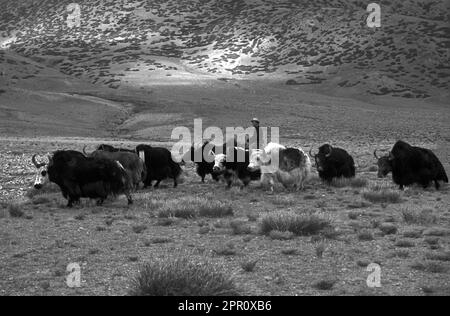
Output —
(129, 43)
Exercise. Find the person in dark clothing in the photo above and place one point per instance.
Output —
(256, 137)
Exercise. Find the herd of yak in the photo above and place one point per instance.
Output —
(109, 171)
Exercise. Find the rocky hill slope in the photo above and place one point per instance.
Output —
(137, 42)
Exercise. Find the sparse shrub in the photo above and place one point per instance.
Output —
(363, 263)
(161, 240)
(226, 250)
(365, 236)
(359, 205)
(415, 233)
(299, 225)
(204, 230)
(429, 266)
(424, 217)
(284, 200)
(182, 276)
(388, 229)
(436, 232)
(189, 208)
(354, 215)
(80, 217)
(138, 229)
(442, 256)
(349, 182)
(382, 195)
(165, 221)
(240, 228)
(94, 251)
(38, 200)
(403, 254)
(216, 209)
(289, 252)
(180, 211)
(279, 235)
(331, 233)
(249, 265)
(432, 241)
(405, 244)
(15, 211)
(325, 285)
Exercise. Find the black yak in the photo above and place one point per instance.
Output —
(334, 163)
(160, 165)
(135, 167)
(411, 165)
(81, 177)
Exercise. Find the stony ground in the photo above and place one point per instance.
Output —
(407, 236)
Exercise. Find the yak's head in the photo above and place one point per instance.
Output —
(258, 159)
(219, 163)
(42, 174)
(384, 164)
(322, 156)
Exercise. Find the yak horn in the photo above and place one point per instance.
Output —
(84, 150)
(35, 163)
(376, 155)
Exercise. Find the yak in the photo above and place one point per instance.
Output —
(203, 157)
(411, 165)
(289, 166)
(81, 177)
(234, 164)
(160, 165)
(134, 166)
(334, 163)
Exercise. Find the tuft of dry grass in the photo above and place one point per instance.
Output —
(279, 235)
(182, 276)
(239, 227)
(382, 195)
(289, 252)
(429, 266)
(441, 256)
(226, 250)
(437, 232)
(423, 217)
(15, 210)
(189, 208)
(39, 200)
(325, 284)
(355, 183)
(388, 228)
(249, 265)
(365, 236)
(299, 225)
(138, 229)
(405, 244)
